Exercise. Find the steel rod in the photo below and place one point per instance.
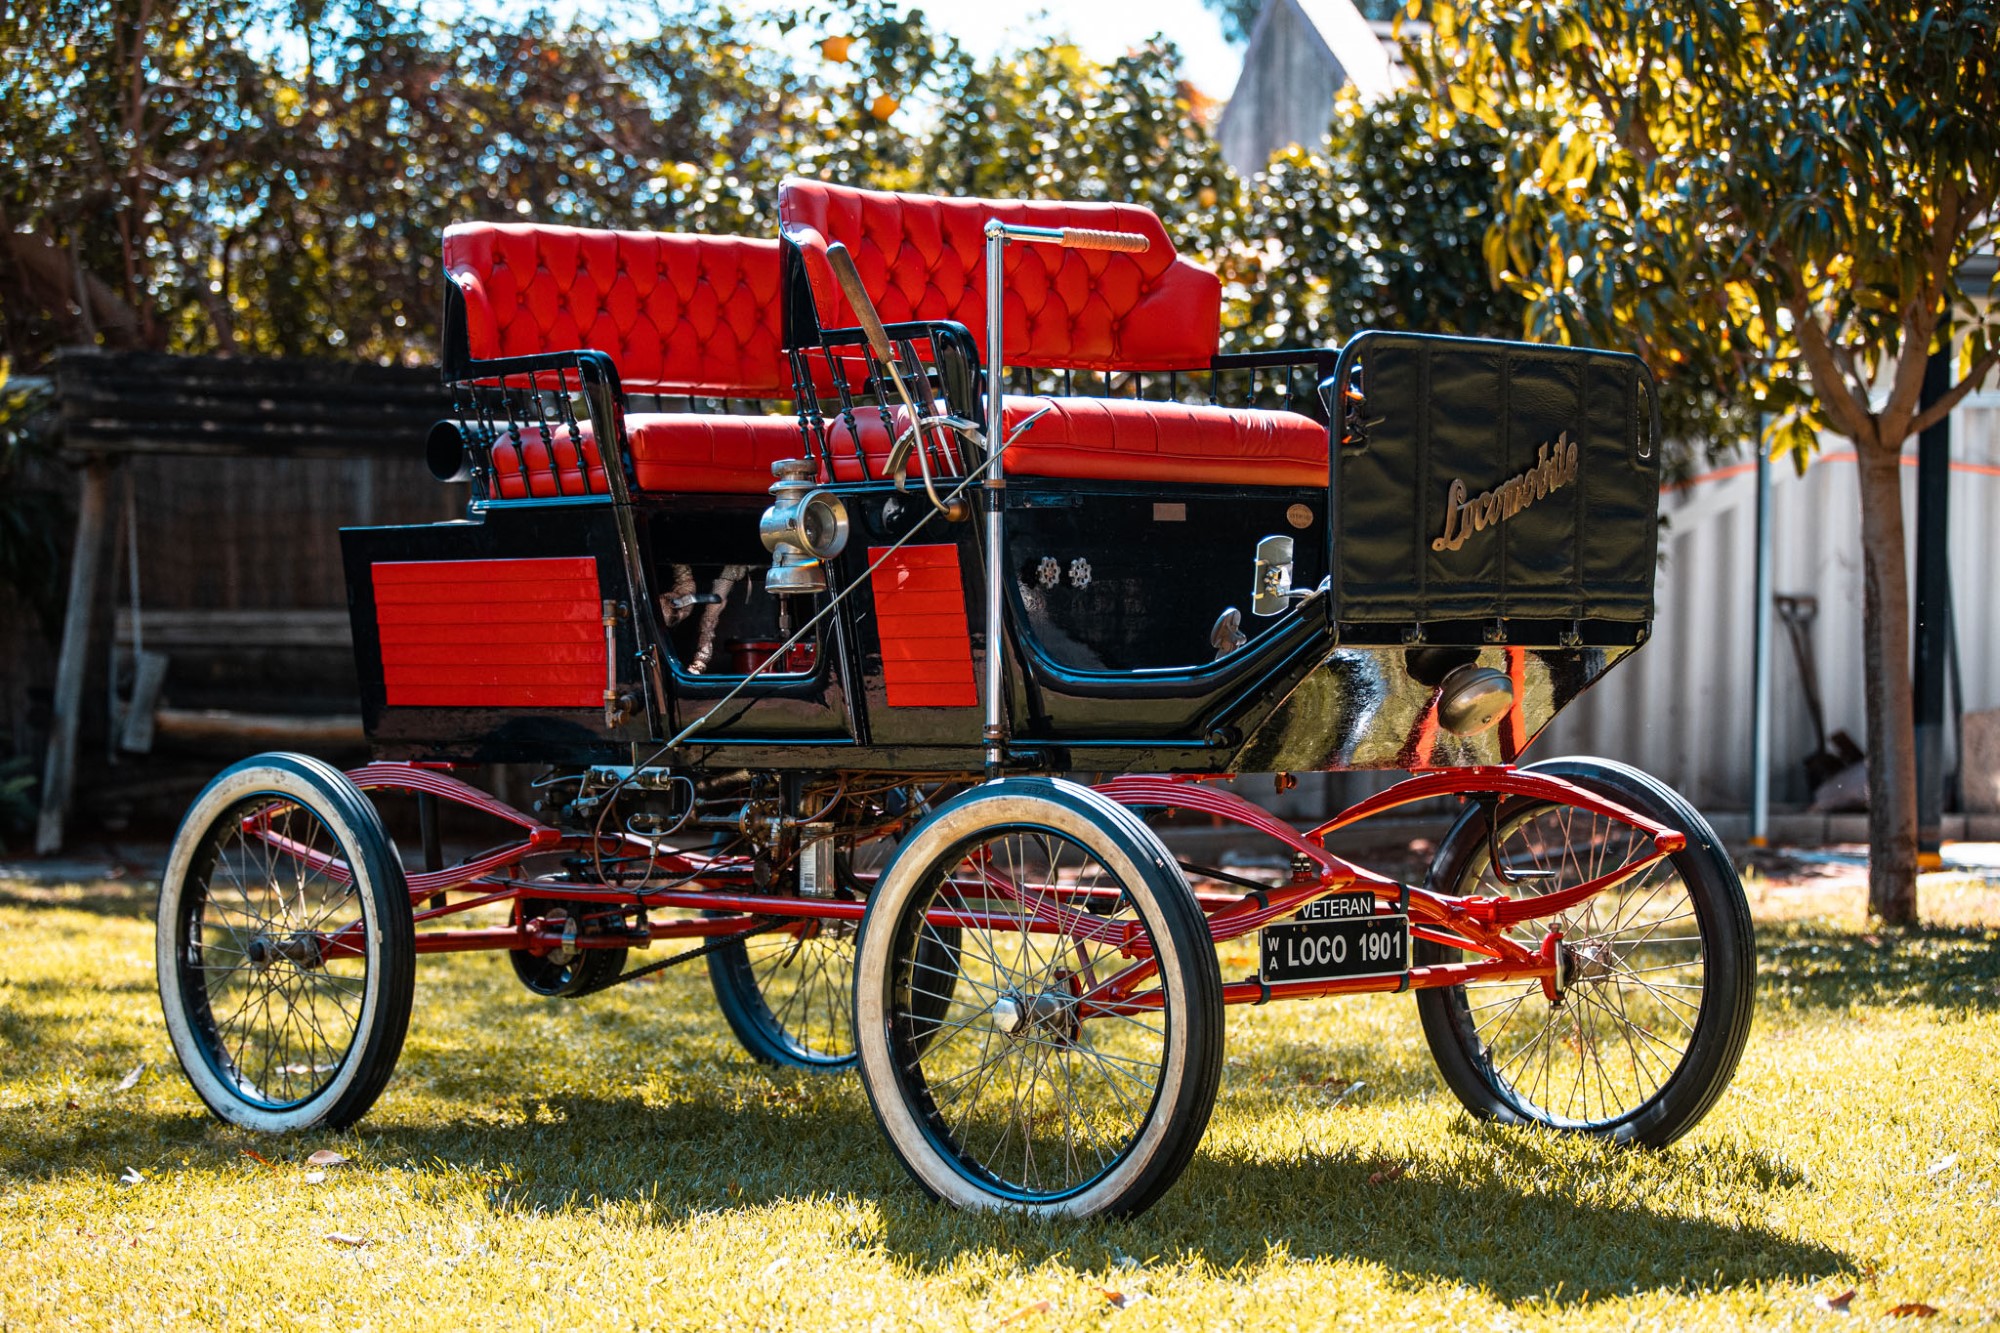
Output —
(1760, 658)
(995, 487)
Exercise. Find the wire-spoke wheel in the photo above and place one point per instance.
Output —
(1654, 977)
(286, 951)
(788, 995)
(1069, 1063)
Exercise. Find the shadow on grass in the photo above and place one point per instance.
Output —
(1518, 1213)
(1944, 967)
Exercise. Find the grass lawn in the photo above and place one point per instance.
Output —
(616, 1163)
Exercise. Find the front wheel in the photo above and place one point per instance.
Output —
(1069, 1062)
(286, 950)
(1656, 975)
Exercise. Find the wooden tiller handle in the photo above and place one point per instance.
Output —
(1083, 238)
(849, 279)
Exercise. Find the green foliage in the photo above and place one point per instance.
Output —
(1383, 230)
(1771, 201)
(1387, 228)
(1051, 123)
(283, 184)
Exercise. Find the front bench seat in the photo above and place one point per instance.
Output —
(677, 314)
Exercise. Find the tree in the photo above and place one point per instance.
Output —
(1386, 227)
(1779, 200)
(272, 177)
(1383, 228)
(1052, 123)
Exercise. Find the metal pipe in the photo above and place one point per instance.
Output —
(59, 770)
(1760, 657)
(1257, 992)
(995, 487)
(1933, 611)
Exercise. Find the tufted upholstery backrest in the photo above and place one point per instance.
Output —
(676, 313)
(923, 257)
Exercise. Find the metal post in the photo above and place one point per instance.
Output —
(1933, 610)
(433, 841)
(995, 488)
(59, 773)
(1760, 658)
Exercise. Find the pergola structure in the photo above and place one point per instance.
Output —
(116, 406)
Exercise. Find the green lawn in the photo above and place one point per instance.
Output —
(615, 1162)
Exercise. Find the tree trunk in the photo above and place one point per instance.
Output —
(1892, 748)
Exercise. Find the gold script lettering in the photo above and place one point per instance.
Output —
(1555, 467)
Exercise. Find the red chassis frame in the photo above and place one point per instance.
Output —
(1477, 924)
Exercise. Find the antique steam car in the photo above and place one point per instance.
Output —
(866, 597)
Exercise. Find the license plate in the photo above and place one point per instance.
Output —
(1337, 938)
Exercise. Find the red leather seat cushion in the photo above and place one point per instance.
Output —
(1104, 439)
(1125, 439)
(923, 257)
(704, 453)
(676, 313)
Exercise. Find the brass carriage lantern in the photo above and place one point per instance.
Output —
(803, 528)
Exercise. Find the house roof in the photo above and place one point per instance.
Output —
(1300, 54)
(1348, 39)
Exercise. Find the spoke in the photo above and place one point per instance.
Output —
(1506, 1020)
(1036, 1109)
(1679, 1053)
(1675, 999)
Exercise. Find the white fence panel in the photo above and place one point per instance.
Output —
(1681, 707)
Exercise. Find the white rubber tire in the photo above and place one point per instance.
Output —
(383, 896)
(1188, 973)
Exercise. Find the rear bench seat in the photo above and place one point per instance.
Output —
(677, 314)
(921, 257)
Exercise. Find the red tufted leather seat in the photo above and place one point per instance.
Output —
(922, 257)
(1123, 439)
(706, 453)
(678, 314)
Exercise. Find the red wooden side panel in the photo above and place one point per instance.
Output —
(920, 610)
(491, 633)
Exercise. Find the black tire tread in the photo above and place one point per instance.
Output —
(1693, 1092)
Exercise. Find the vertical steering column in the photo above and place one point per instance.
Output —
(996, 492)
(998, 233)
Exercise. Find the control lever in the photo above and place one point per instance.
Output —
(849, 278)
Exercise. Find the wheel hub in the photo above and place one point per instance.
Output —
(1587, 961)
(301, 948)
(1050, 1015)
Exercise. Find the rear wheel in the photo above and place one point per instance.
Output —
(1020, 1081)
(1655, 976)
(788, 995)
(286, 950)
